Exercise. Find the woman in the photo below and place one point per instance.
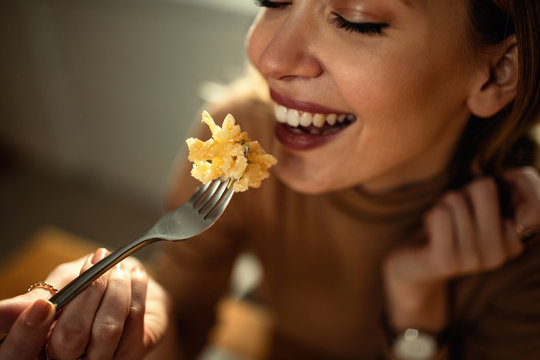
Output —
(403, 209)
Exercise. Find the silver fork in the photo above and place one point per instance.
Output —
(192, 218)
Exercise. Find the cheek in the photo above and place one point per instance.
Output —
(256, 41)
(379, 100)
(401, 113)
(399, 92)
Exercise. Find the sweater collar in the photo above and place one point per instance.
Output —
(404, 202)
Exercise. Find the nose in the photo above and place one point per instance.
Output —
(289, 54)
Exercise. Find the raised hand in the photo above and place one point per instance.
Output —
(464, 233)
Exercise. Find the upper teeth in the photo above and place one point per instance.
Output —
(296, 118)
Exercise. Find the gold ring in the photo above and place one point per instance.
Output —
(44, 285)
(525, 233)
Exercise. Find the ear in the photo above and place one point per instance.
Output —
(496, 88)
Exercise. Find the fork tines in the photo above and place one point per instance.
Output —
(211, 198)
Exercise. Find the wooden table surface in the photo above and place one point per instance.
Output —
(47, 248)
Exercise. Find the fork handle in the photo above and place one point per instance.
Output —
(81, 282)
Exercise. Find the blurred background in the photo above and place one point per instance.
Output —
(96, 98)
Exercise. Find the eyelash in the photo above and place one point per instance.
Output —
(368, 28)
(271, 4)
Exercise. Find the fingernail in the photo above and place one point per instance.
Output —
(41, 312)
(99, 255)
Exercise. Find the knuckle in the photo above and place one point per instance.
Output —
(453, 199)
(69, 339)
(494, 262)
(132, 262)
(490, 240)
(472, 187)
(139, 280)
(447, 266)
(471, 264)
(483, 186)
(530, 171)
(136, 311)
(489, 186)
(107, 332)
(98, 286)
(119, 278)
(437, 213)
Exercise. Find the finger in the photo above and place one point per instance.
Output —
(526, 195)
(58, 278)
(132, 339)
(465, 232)
(131, 263)
(42, 289)
(11, 309)
(512, 238)
(485, 204)
(111, 315)
(29, 332)
(71, 333)
(438, 225)
(526, 179)
(62, 274)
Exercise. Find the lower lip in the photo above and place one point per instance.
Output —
(302, 141)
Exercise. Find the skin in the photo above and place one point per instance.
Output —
(412, 90)
(465, 235)
(125, 315)
(408, 87)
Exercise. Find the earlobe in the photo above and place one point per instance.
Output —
(498, 87)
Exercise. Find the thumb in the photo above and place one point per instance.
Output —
(29, 332)
(11, 309)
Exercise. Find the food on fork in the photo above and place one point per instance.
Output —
(229, 154)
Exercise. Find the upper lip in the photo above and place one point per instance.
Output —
(300, 105)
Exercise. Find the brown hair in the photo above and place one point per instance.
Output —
(490, 145)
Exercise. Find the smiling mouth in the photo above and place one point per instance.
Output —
(304, 122)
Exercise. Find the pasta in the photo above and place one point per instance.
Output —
(224, 155)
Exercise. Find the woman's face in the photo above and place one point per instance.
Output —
(369, 92)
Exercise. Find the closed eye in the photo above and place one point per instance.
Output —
(272, 4)
(369, 28)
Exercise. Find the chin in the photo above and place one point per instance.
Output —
(306, 172)
(304, 184)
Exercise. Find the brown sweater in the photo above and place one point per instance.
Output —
(321, 257)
